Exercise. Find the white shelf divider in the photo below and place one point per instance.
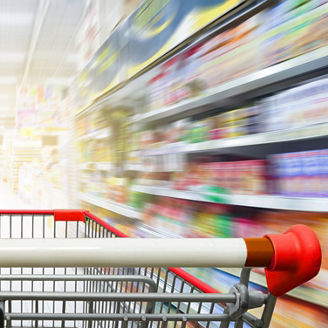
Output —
(309, 132)
(98, 134)
(309, 204)
(118, 208)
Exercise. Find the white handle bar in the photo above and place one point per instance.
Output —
(123, 252)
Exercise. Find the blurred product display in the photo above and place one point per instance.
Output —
(283, 32)
(301, 173)
(226, 136)
(299, 107)
(36, 153)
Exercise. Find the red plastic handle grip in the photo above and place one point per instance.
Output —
(297, 259)
(69, 215)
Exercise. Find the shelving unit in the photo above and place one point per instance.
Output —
(282, 136)
(20, 155)
(277, 202)
(256, 84)
(110, 206)
(238, 92)
(98, 134)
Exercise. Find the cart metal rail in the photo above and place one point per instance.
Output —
(67, 268)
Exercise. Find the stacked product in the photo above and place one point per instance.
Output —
(289, 29)
(301, 106)
(301, 173)
(104, 185)
(246, 177)
(234, 123)
(187, 219)
(290, 174)
(93, 122)
(240, 177)
(95, 151)
(292, 28)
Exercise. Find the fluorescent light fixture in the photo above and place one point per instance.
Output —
(4, 96)
(72, 58)
(59, 80)
(16, 18)
(8, 79)
(4, 108)
(12, 57)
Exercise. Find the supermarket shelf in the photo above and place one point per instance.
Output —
(167, 192)
(309, 204)
(110, 206)
(257, 83)
(310, 132)
(141, 168)
(251, 7)
(98, 134)
(133, 167)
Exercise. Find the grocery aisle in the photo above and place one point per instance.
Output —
(170, 119)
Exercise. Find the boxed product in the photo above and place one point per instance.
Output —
(156, 93)
(239, 176)
(290, 29)
(223, 60)
(303, 105)
(300, 173)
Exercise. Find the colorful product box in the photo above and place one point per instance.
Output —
(292, 174)
(277, 173)
(239, 176)
(311, 173)
(300, 173)
(323, 163)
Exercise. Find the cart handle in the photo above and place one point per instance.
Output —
(290, 259)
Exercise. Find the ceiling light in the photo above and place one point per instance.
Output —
(7, 18)
(59, 80)
(12, 57)
(72, 58)
(4, 108)
(8, 79)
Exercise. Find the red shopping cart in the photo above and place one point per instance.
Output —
(67, 268)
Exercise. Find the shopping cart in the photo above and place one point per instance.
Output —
(63, 268)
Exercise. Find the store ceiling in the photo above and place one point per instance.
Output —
(37, 44)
